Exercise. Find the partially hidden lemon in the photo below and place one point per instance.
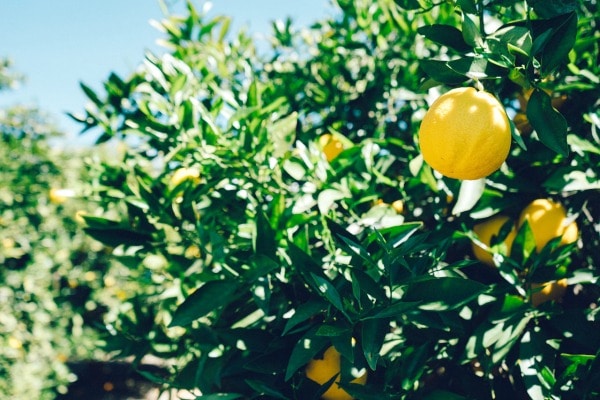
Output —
(548, 220)
(322, 370)
(184, 174)
(487, 230)
(331, 146)
(465, 134)
(60, 196)
(543, 292)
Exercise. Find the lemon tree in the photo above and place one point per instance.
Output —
(284, 244)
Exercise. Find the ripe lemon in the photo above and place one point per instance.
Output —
(60, 196)
(322, 370)
(398, 206)
(331, 146)
(183, 174)
(554, 290)
(548, 220)
(465, 134)
(485, 231)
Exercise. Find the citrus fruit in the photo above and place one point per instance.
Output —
(59, 196)
(184, 174)
(398, 206)
(543, 292)
(465, 134)
(548, 220)
(487, 230)
(322, 370)
(331, 146)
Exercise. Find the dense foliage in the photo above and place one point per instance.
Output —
(256, 248)
(54, 281)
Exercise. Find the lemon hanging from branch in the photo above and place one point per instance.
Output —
(465, 134)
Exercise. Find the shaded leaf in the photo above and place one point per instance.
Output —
(208, 297)
(374, 331)
(304, 312)
(441, 72)
(446, 35)
(443, 293)
(549, 124)
(306, 349)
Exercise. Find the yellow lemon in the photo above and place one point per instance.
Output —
(59, 196)
(184, 174)
(485, 231)
(331, 146)
(465, 134)
(322, 370)
(548, 220)
(543, 292)
(398, 206)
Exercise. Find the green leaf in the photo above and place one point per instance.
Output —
(331, 330)
(524, 244)
(441, 72)
(559, 44)
(446, 35)
(443, 293)
(265, 389)
(572, 179)
(394, 310)
(469, 194)
(470, 31)
(306, 266)
(468, 6)
(549, 124)
(261, 266)
(305, 349)
(91, 95)
(118, 236)
(283, 133)
(208, 297)
(368, 285)
(348, 242)
(327, 199)
(536, 361)
(477, 68)
(304, 312)
(329, 292)
(265, 242)
(553, 8)
(498, 335)
(373, 332)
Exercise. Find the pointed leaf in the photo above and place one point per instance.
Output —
(208, 297)
(374, 331)
(549, 124)
(559, 44)
(441, 72)
(304, 312)
(469, 194)
(470, 32)
(443, 293)
(446, 35)
(306, 349)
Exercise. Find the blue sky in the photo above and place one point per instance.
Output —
(58, 43)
